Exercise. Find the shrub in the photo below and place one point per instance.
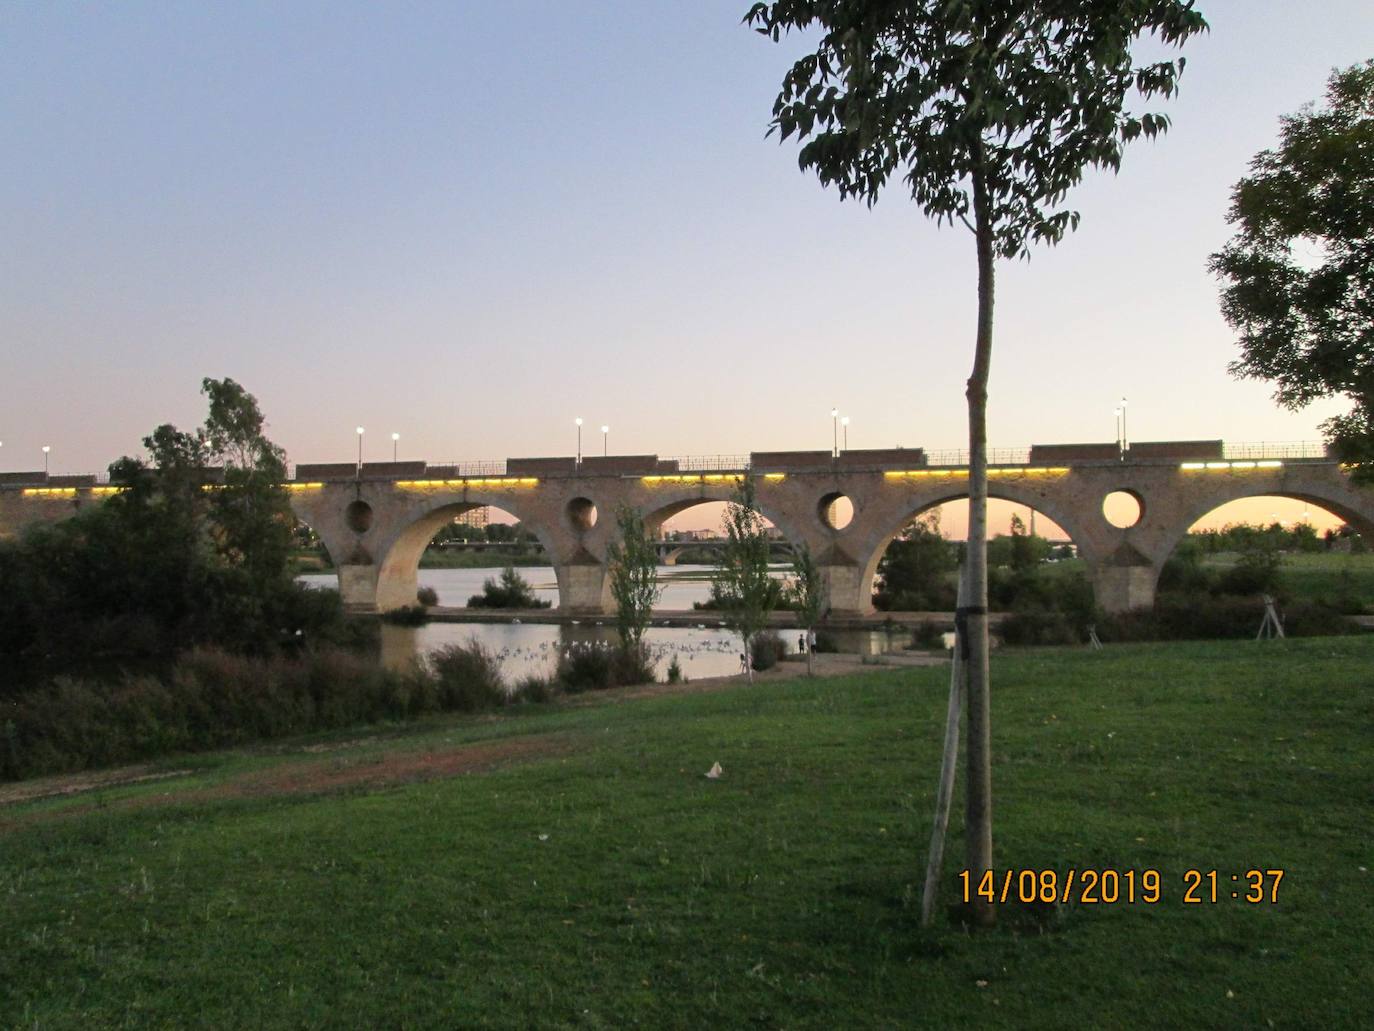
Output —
(597, 665)
(675, 671)
(535, 689)
(406, 615)
(427, 596)
(1038, 627)
(766, 650)
(467, 677)
(512, 592)
(1190, 617)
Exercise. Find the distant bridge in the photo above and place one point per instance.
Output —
(375, 520)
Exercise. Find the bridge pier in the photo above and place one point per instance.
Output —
(848, 593)
(358, 589)
(1122, 588)
(582, 588)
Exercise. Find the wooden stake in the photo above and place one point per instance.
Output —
(948, 767)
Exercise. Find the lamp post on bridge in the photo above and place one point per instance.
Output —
(578, 420)
(1125, 441)
(844, 421)
(360, 453)
(605, 445)
(1120, 449)
(395, 443)
(46, 449)
(834, 432)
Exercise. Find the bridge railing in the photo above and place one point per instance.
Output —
(709, 463)
(1275, 449)
(996, 456)
(472, 466)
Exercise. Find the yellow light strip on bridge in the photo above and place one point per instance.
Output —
(921, 474)
(1227, 466)
(490, 481)
(105, 491)
(1016, 470)
(49, 492)
(304, 486)
(705, 479)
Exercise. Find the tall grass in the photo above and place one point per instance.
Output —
(212, 699)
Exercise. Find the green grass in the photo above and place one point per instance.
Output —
(784, 894)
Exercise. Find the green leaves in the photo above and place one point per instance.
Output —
(1298, 277)
(634, 576)
(1026, 95)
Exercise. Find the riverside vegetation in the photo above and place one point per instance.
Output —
(168, 618)
(1211, 587)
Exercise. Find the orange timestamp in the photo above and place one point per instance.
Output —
(1107, 887)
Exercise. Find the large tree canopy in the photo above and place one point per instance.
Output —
(1299, 274)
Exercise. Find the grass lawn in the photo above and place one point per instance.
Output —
(571, 866)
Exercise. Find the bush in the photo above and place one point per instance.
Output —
(675, 671)
(927, 635)
(406, 615)
(513, 592)
(467, 677)
(596, 666)
(1039, 627)
(1191, 617)
(535, 689)
(766, 650)
(585, 667)
(427, 596)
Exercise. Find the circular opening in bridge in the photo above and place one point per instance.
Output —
(1123, 509)
(358, 515)
(836, 511)
(581, 514)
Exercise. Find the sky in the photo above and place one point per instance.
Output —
(471, 223)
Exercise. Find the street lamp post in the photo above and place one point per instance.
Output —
(1119, 448)
(578, 420)
(845, 423)
(834, 432)
(605, 437)
(46, 449)
(360, 452)
(1125, 441)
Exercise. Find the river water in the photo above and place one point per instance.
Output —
(525, 649)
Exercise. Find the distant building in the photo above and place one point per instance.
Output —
(474, 517)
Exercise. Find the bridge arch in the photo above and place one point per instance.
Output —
(880, 531)
(1339, 503)
(398, 570)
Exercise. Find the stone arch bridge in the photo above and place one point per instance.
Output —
(376, 520)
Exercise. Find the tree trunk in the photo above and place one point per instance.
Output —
(978, 823)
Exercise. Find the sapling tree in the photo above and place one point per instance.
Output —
(634, 578)
(807, 593)
(741, 582)
(988, 111)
